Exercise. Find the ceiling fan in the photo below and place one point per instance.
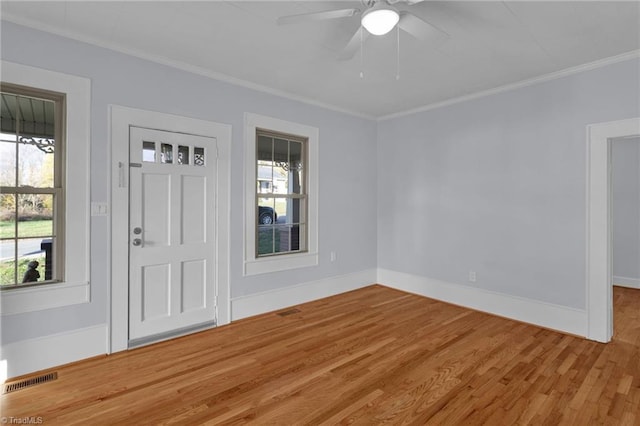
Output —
(378, 18)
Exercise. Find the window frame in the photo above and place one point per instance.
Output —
(304, 142)
(75, 287)
(253, 264)
(59, 184)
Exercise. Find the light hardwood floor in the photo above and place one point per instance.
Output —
(370, 356)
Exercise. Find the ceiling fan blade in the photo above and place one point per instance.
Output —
(420, 29)
(354, 44)
(316, 16)
(408, 2)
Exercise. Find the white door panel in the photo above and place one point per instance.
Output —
(172, 240)
(194, 286)
(194, 209)
(156, 208)
(155, 294)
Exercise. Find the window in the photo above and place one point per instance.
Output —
(31, 186)
(44, 188)
(281, 199)
(281, 168)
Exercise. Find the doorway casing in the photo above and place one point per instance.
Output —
(598, 261)
(121, 118)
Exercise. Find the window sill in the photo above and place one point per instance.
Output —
(280, 263)
(41, 297)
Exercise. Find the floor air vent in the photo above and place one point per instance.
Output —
(12, 387)
(289, 312)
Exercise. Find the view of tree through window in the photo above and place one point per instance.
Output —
(280, 194)
(31, 190)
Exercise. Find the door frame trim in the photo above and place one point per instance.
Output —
(598, 256)
(121, 119)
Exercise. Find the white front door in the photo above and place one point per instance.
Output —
(171, 232)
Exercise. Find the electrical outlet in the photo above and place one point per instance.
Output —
(472, 276)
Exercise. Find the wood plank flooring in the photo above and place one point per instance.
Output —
(370, 356)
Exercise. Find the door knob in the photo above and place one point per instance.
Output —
(136, 241)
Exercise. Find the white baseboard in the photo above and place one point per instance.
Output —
(29, 356)
(556, 317)
(260, 303)
(626, 282)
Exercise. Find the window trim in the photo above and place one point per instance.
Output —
(254, 265)
(75, 288)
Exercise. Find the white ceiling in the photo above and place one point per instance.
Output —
(491, 44)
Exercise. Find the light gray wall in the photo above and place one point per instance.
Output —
(497, 185)
(347, 160)
(625, 185)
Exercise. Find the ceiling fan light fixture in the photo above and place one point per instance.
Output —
(380, 20)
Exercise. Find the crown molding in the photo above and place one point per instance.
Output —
(193, 69)
(634, 54)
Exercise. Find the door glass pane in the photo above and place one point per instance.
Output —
(183, 154)
(166, 154)
(198, 156)
(149, 152)
(35, 215)
(36, 162)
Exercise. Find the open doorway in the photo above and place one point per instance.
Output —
(625, 235)
(599, 224)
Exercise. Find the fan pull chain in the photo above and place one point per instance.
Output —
(361, 54)
(398, 53)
